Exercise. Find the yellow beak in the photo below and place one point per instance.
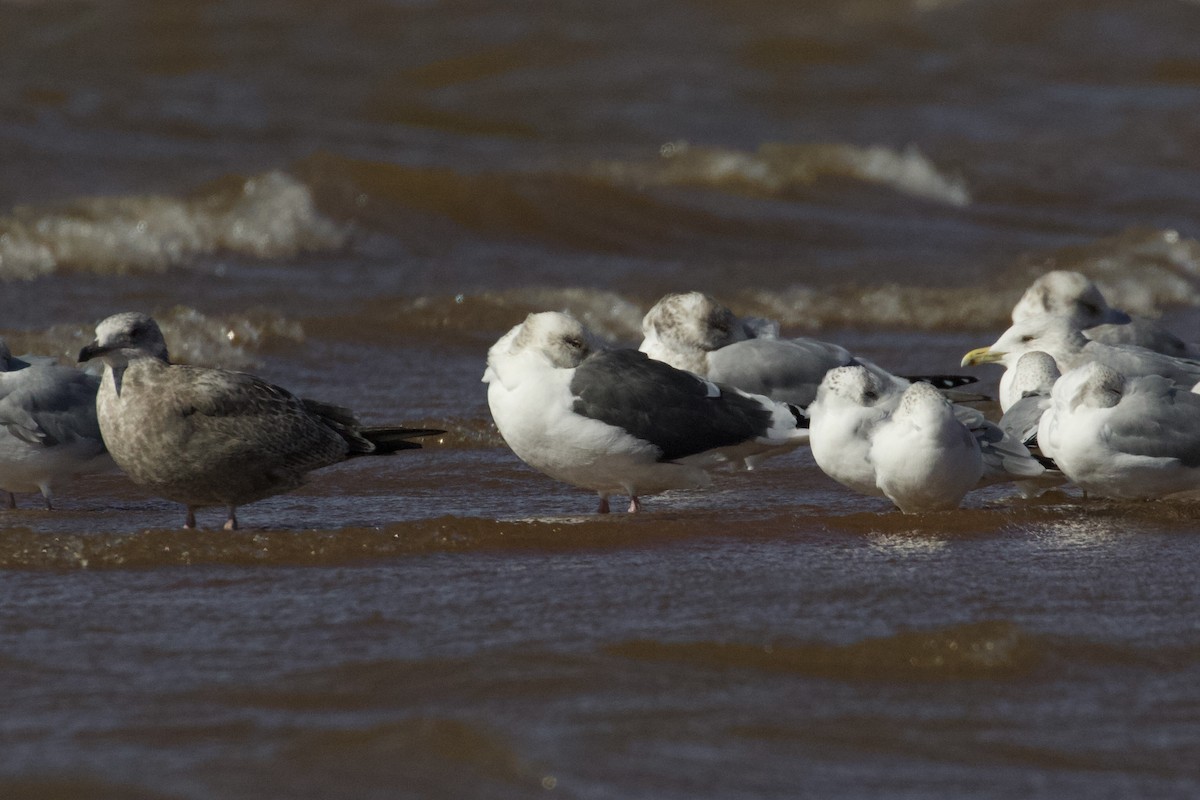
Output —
(981, 355)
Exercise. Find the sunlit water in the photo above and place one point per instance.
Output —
(355, 200)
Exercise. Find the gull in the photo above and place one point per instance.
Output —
(1066, 344)
(853, 405)
(619, 422)
(1073, 295)
(1125, 437)
(924, 458)
(213, 437)
(694, 332)
(48, 430)
(1034, 377)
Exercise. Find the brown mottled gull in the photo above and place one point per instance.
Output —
(213, 437)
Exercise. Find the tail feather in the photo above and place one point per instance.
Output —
(389, 439)
(367, 441)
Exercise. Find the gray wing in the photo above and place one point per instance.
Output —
(1157, 422)
(1135, 361)
(788, 370)
(49, 405)
(1143, 333)
(1005, 458)
(1023, 417)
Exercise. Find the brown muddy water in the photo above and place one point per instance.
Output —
(356, 199)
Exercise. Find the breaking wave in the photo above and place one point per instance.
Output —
(230, 341)
(777, 169)
(272, 215)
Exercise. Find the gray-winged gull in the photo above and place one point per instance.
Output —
(213, 437)
(1069, 348)
(618, 422)
(48, 430)
(854, 405)
(1033, 379)
(924, 458)
(695, 332)
(1073, 295)
(1132, 437)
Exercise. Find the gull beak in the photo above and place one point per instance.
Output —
(93, 350)
(981, 355)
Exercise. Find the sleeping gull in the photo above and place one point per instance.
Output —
(212, 437)
(1034, 377)
(854, 404)
(1069, 348)
(1074, 296)
(694, 332)
(1130, 437)
(618, 422)
(48, 429)
(924, 458)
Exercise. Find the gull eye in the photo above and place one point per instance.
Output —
(573, 342)
(869, 395)
(1026, 339)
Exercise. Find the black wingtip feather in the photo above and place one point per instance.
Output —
(390, 439)
(943, 381)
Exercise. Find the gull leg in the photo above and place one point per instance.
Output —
(190, 522)
(603, 509)
(231, 524)
(634, 504)
(11, 502)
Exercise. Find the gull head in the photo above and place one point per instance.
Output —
(922, 402)
(1067, 294)
(854, 385)
(124, 337)
(687, 322)
(1035, 373)
(1092, 385)
(558, 339)
(1057, 336)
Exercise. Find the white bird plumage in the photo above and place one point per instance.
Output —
(618, 422)
(694, 332)
(854, 406)
(1066, 344)
(1130, 437)
(1073, 295)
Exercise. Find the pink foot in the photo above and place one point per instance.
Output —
(231, 524)
(190, 522)
(634, 505)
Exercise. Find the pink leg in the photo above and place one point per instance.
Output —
(603, 509)
(11, 503)
(634, 505)
(190, 522)
(231, 523)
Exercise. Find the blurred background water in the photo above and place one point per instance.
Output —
(356, 199)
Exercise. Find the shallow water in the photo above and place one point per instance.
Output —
(356, 200)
